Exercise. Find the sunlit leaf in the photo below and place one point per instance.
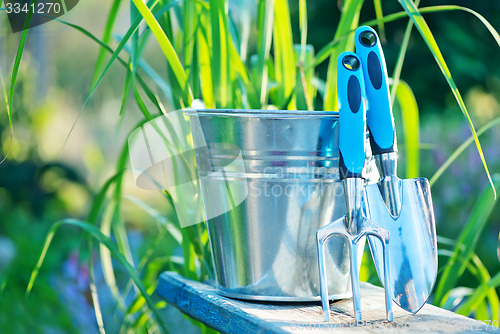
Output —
(377, 4)
(428, 37)
(477, 301)
(466, 243)
(220, 57)
(284, 56)
(167, 48)
(265, 19)
(204, 63)
(411, 128)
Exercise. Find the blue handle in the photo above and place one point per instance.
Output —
(352, 114)
(379, 114)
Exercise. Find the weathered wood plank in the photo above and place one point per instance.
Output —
(226, 315)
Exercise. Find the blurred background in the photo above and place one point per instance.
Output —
(61, 154)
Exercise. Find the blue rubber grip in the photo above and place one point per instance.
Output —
(352, 114)
(379, 120)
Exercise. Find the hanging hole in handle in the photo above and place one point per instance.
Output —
(368, 38)
(351, 62)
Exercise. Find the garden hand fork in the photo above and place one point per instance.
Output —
(353, 226)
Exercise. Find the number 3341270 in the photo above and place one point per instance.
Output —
(39, 8)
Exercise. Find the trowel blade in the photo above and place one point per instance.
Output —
(412, 242)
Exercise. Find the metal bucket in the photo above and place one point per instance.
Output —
(278, 172)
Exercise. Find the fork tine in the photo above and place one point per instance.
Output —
(353, 249)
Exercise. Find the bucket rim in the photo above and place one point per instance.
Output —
(261, 113)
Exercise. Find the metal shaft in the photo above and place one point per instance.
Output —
(353, 194)
(356, 297)
(390, 184)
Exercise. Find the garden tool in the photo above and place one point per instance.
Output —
(402, 207)
(353, 226)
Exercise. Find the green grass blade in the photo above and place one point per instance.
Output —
(95, 213)
(127, 86)
(107, 262)
(133, 28)
(480, 294)
(303, 29)
(116, 219)
(483, 20)
(284, 55)
(466, 244)
(165, 224)
(134, 56)
(15, 71)
(265, 20)
(437, 9)
(204, 63)
(19, 55)
(401, 57)
(428, 37)
(411, 128)
(140, 103)
(100, 199)
(95, 299)
(305, 90)
(188, 38)
(106, 38)
(114, 56)
(220, 58)
(498, 247)
(240, 69)
(460, 150)
(128, 35)
(134, 39)
(324, 52)
(349, 20)
(167, 48)
(9, 116)
(377, 4)
(111, 246)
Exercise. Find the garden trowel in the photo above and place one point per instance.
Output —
(353, 226)
(403, 207)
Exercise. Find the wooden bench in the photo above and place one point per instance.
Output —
(201, 301)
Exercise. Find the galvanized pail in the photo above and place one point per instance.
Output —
(269, 180)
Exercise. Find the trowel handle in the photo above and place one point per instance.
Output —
(352, 114)
(379, 114)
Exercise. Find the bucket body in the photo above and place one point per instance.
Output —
(269, 181)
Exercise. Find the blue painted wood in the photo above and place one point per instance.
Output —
(201, 301)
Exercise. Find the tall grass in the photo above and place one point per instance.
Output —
(202, 48)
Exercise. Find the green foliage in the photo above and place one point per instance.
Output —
(465, 246)
(204, 57)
